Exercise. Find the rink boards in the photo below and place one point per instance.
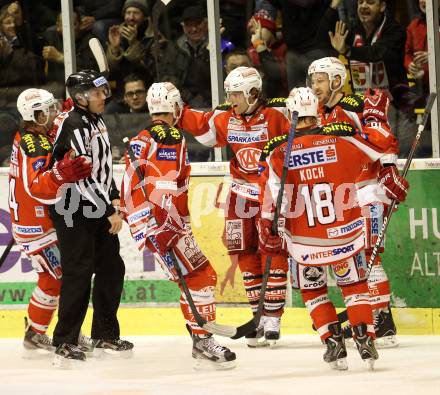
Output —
(412, 258)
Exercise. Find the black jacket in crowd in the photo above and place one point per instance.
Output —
(389, 47)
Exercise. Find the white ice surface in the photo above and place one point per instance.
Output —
(163, 365)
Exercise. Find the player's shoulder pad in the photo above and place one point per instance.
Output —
(224, 107)
(35, 145)
(271, 145)
(166, 135)
(276, 102)
(354, 103)
(339, 129)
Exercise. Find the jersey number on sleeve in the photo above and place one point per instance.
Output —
(12, 200)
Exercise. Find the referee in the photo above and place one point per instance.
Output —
(87, 222)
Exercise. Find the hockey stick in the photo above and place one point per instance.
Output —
(257, 317)
(99, 54)
(170, 258)
(6, 251)
(343, 316)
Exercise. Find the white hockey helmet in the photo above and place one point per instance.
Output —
(31, 100)
(304, 101)
(243, 79)
(162, 98)
(332, 67)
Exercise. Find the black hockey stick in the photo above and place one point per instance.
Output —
(170, 259)
(6, 251)
(254, 322)
(343, 316)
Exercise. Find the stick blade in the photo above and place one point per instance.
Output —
(99, 54)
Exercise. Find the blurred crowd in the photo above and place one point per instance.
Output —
(383, 44)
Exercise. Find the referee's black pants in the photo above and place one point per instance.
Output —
(86, 248)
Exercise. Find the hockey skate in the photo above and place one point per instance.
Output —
(336, 354)
(208, 354)
(272, 330)
(385, 329)
(114, 347)
(69, 356)
(35, 344)
(365, 345)
(86, 344)
(256, 338)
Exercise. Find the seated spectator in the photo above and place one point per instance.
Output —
(18, 65)
(268, 54)
(236, 58)
(135, 97)
(98, 15)
(374, 45)
(192, 60)
(416, 51)
(53, 50)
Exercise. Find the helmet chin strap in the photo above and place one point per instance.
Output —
(332, 96)
(251, 106)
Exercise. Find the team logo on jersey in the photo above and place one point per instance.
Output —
(169, 154)
(312, 156)
(248, 158)
(234, 234)
(39, 211)
(341, 269)
(313, 273)
(138, 215)
(14, 155)
(328, 253)
(27, 230)
(345, 229)
(136, 147)
(243, 137)
(38, 164)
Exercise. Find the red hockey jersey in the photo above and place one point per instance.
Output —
(324, 222)
(245, 135)
(161, 158)
(31, 189)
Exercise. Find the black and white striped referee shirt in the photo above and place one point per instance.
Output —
(87, 134)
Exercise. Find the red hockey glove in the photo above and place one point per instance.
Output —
(395, 186)
(376, 105)
(170, 229)
(268, 243)
(71, 169)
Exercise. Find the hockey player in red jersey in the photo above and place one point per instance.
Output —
(324, 222)
(161, 157)
(246, 125)
(32, 186)
(327, 77)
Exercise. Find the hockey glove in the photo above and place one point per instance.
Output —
(170, 229)
(376, 105)
(395, 186)
(71, 170)
(268, 244)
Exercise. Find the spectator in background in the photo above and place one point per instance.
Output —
(299, 19)
(268, 54)
(135, 97)
(18, 65)
(130, 48)
(236, 58)
(53, 50)
(192, 60)
(374, 45)
(98, 15)
(416, 51)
